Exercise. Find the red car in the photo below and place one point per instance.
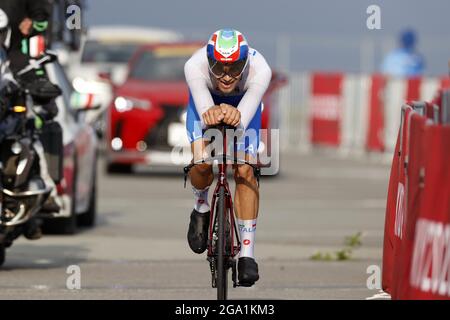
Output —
(146, 118)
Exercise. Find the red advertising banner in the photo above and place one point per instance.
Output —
(375, 130)
(326, 107)
(429, 272)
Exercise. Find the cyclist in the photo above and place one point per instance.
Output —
(227, 80)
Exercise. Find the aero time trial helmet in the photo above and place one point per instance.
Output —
(227, 49)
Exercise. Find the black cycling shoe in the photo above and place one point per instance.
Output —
(198, 231)
(32, 229)
(247, 271)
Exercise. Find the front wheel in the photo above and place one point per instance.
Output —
(87, 219)
(222, 270)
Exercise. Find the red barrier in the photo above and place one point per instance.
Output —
(432, 111)
(430, 263)
(401, 204)
(413, 184)
(442, 99)
(388, 243)
(395, 206)
(326, 104)
(416, 256)
(375, 130)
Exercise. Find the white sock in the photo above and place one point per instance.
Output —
(247, 229)
(201, 200)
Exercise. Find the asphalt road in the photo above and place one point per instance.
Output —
(138, 249)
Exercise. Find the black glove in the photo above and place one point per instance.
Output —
(50, 110)
(43, 91)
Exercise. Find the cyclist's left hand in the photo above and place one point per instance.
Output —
(232, 116)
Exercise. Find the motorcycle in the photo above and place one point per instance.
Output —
(22, 190)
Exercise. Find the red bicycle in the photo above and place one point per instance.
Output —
(223, 241)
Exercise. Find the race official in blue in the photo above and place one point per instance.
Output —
(404, 61)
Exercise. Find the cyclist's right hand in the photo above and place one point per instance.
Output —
(213, 116)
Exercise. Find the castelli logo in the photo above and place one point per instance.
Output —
(246, 242)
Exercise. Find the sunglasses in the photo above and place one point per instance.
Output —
(234, 70)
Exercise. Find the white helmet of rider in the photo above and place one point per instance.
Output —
(5, 30)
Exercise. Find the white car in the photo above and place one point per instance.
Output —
(77, 189)
(106, 51)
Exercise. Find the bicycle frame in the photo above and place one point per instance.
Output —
(222, 182)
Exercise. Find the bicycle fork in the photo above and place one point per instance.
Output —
(230, 235)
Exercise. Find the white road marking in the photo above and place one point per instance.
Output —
(381, 295)
(41, 287)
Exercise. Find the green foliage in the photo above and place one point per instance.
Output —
(319, 256)
(354, 241)
(351, 242)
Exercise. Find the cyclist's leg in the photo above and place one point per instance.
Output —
(246, 198)
(247, 193)
(201, 177)
(246, 201)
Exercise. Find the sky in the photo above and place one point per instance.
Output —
(330, 35)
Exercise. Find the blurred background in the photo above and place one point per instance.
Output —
(333, 96)
(301, 35)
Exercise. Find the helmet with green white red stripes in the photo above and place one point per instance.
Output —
(227, 47)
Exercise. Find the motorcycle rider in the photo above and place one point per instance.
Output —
(25, 40)
(6, 75)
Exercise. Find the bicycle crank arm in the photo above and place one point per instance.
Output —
(234, 273)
